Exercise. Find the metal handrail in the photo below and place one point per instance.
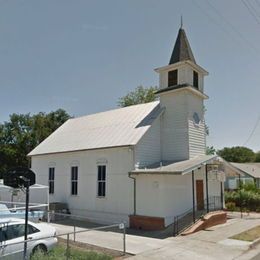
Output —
(208, 206)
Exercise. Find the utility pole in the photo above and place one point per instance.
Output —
(26, 184)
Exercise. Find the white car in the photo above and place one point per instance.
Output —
(12, 232)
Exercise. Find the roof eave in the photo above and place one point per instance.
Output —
(188, 87)
(179, 64)
(159, 171)
(80, 150)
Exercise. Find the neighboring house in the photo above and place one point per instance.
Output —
(142, 163)
(249, 173)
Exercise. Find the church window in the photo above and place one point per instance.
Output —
(51, 180)
(172, 78)
(195, 79)
(101, 185)
(74, 180)
(196, 118)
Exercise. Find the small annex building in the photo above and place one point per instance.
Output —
(144, 163)
(244, 173)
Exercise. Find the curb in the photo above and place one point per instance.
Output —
(255, 242)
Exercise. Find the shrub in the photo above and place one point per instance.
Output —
(231, 206)
(247, 198)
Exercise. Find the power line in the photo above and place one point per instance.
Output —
(257, 3)
(253, 131)
(253, 48)
(250, 11)
(231, 26)
(211, 18)
(253, 8)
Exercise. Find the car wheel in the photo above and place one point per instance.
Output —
(40, 248)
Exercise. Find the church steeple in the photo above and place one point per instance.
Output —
(182, 50)
(182, 95)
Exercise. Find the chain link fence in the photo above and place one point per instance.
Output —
(70, 229)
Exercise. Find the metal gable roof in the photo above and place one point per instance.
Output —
(252, 169)
(118, 127)
(179, 168)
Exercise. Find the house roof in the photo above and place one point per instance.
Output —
(252, 169)
(114, 128)
(179, 168)
(182, 50)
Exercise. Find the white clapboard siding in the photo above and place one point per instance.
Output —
(148, 150)
(197, 138)
(197, 141)
(174, 127)
(117, 204)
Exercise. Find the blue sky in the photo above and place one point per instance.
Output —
(83, 55)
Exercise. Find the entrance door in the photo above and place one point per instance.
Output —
(199, 194)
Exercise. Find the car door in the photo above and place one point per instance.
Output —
(2, 242)
(13, 234)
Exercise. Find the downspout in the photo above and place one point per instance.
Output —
(134, 192)
(129, 175)
(207, 188)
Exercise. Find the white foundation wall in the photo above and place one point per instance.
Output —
(166, 196)
(117, 204)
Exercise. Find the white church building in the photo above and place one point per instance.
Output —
(142, 164)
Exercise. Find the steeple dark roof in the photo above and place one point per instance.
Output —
(182, 50)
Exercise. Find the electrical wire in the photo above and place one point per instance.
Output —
(211, 18)
(250, 11)
(253, 131)
(258, 3)
(254, 10)
(245, 40)
(240, 35)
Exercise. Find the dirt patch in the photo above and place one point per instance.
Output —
(87, 247)
(248, 235)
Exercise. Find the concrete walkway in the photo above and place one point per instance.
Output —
(113, 240)
(210, 244)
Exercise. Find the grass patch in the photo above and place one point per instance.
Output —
(59, 253)
(248, 235)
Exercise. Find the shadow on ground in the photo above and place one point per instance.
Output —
(162, 234)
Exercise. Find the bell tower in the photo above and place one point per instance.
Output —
(181, 92)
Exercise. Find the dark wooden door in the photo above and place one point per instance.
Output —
(200, 194)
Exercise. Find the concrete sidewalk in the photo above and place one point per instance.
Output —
(113, 240)
(210, 244)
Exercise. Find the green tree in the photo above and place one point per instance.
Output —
(22, 133)
(237, 154)
(257, 157)
(210, 150)
(139, 96)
